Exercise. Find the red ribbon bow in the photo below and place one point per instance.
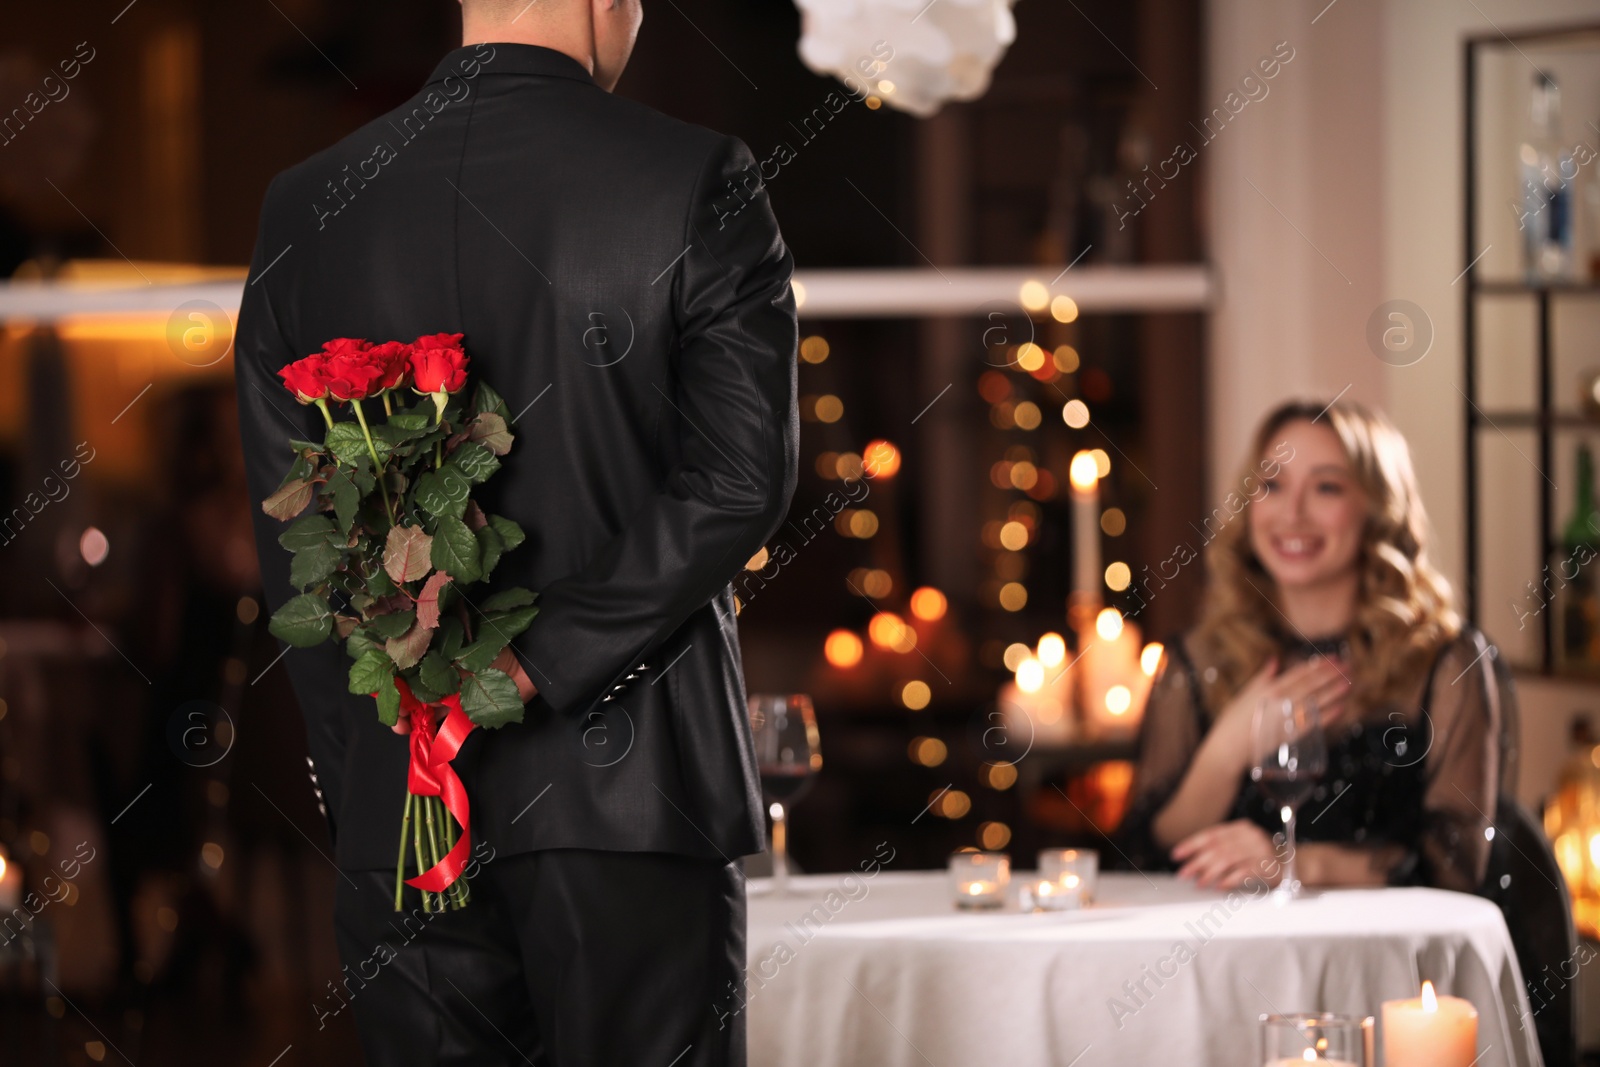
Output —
(433, 746)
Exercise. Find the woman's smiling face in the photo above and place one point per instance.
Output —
(1306, 528)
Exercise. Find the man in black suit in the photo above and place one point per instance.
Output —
(619, 277)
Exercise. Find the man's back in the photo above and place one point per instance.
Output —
(635, 312)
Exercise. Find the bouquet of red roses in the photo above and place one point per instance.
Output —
(388, 546)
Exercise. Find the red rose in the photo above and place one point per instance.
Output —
(395, 358)
(306, 378)
(351, 370)
(438, 364)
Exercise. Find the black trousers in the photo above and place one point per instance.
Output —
(563, 958)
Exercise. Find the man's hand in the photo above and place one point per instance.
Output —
(507, 661)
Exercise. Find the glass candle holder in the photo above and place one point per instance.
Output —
(1045, 894)
(1071, 869)
(979, 879)
(1318, 1038)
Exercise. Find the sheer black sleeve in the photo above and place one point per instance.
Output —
(1461, 728)
(1173, 727)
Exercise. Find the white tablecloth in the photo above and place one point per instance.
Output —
(886, 973)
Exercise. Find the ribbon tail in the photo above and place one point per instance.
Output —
(440, 779)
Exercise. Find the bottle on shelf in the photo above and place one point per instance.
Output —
(1545, 174)
(1578, 639)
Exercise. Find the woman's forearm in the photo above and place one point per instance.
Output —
(1203, 797)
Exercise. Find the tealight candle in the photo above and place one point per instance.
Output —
(1045, 894)
(1323, 1039)
(1430, 1031)
(979, 879)
(1080, 865)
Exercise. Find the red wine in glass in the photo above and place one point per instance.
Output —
(785, 782)
(1290, 755)
(783, 728)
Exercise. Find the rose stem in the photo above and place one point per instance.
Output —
(422, 864)
(400, 864)
(439, 400)
(459, 886)
(377, 467)
(431, 838)
(322, 405)
(388, 411)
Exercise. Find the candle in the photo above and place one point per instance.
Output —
(1430, 1031)
(1084, 474)
(979, 879)
(1316, 1037)
(1049, 894)
(1075, 869)
(10, 885)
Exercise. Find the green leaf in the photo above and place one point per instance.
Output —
(455, 549)
(451, 635)
(439, 674)
(507, 599)
(371, 673)
(507, 624)
(348, 444)
(482, 652)
(490, 548)
(389, 705)
(346, 499)
(306, 533)
(405, 554)
(408, 648)
(393, 624)
(411, 421)
(474, 461)
(421, 690)
(302, 622)
(441, 493)
(312, 565)
(361, 640)
(395, 433)
(379, 584)
(509, 531)
(489, 430)
(486, 399)
(490, 699)
(290, 500)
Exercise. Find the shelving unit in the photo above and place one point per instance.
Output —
(1482, 416)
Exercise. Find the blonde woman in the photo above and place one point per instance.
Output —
(1322, 588)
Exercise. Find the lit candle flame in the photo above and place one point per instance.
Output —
(1084, 472)
(1429, 1001)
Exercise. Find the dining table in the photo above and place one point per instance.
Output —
(882, 969)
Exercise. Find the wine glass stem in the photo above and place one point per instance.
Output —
(1289, 883)
(780, 849)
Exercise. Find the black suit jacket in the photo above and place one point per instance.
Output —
(620, 279)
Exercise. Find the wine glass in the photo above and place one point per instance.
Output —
(788, 755)
(1290, 755)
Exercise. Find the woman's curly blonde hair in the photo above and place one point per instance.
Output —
(1405, 610)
